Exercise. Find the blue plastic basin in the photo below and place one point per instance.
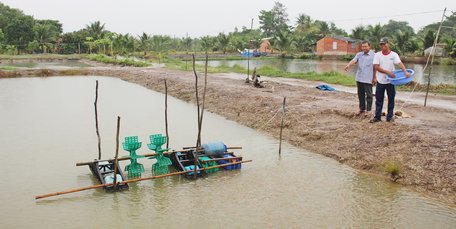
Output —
(400, 77)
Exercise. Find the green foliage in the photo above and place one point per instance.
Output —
(393, 168)
(123, 62)
(96, 30)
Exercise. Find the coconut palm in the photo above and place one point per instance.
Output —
(223, 40)
(144, 42)
(96, 30)
(284, 41)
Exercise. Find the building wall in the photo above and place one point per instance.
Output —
(325, 46)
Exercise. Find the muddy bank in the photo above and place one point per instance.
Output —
(422, 148)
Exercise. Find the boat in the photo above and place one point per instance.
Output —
(104, 172)
(400, 78)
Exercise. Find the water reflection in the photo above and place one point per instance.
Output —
(440, 74)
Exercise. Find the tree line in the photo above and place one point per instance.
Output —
(20, 33)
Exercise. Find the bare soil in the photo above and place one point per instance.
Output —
(423, 146)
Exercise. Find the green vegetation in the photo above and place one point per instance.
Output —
(109, 60)
(393, 168)
(328, 77)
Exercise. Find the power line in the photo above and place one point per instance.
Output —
(390, 16)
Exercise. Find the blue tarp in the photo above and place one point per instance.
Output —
(325, 87)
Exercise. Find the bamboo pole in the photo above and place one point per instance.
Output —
(166, 115)
(200, 123)
(432, 58)
(149, 155)
(116, 160)
(134, 180)
(198, 143)
(248, 53)
(281, 125)
(96, 120)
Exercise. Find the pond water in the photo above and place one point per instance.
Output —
(440, 74)
(44, 64)
(47, 125)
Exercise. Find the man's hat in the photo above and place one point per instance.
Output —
(384, 40)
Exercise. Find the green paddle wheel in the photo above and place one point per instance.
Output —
(134, 169)
(161, 166)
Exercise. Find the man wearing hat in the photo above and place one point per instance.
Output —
(384, 62)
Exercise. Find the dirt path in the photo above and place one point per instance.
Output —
(423, 146)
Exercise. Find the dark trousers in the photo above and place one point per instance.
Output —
(364, 95)
(380, 95)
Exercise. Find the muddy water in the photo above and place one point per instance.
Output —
(441, 74)
(47, 125)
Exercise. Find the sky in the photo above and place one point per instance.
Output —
(197, 18)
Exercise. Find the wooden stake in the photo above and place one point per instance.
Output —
(116, 160)
(96, 120)
(281, 125)
(135, 180)
(166, 115)
(198, 143)
(200, 123)
(248, 53)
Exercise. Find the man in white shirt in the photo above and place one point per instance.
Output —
(384, 62)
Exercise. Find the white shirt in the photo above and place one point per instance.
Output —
(386, 62)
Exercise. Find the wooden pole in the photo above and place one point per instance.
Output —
(166, 115)
(96, 120)
(248, 53)
(432, 58)
(116, 159)
(150, 155)
(198, 143)
(134, 180)
(281, 125)
(198, 140)
(200, 123)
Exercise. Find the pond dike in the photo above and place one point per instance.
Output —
(419, 152)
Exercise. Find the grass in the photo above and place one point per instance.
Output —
(331, 77)
(328, 77)
(109, 60)
(43, 56)
(393, 168)
(7, 68)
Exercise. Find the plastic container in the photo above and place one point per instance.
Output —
(400, 77)
(229, 167)
(214, 148)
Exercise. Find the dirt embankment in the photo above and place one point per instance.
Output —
(422, 147)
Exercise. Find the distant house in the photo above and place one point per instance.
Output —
(439, 50)
(265, 46)
(337, 45)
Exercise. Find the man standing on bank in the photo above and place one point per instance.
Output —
(384, 62)
(365, 77)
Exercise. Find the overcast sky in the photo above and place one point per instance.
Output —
(209, 17)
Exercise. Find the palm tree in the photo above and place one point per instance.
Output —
(359, 32)
(206, 43)
(96, 30)
(402, 40)
(223, 40)
(284, 41)
(303, 22)
(144, 43)
(160, 44)
(450, 47)
(375, 34)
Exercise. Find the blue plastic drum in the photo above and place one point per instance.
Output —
(400, 77)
